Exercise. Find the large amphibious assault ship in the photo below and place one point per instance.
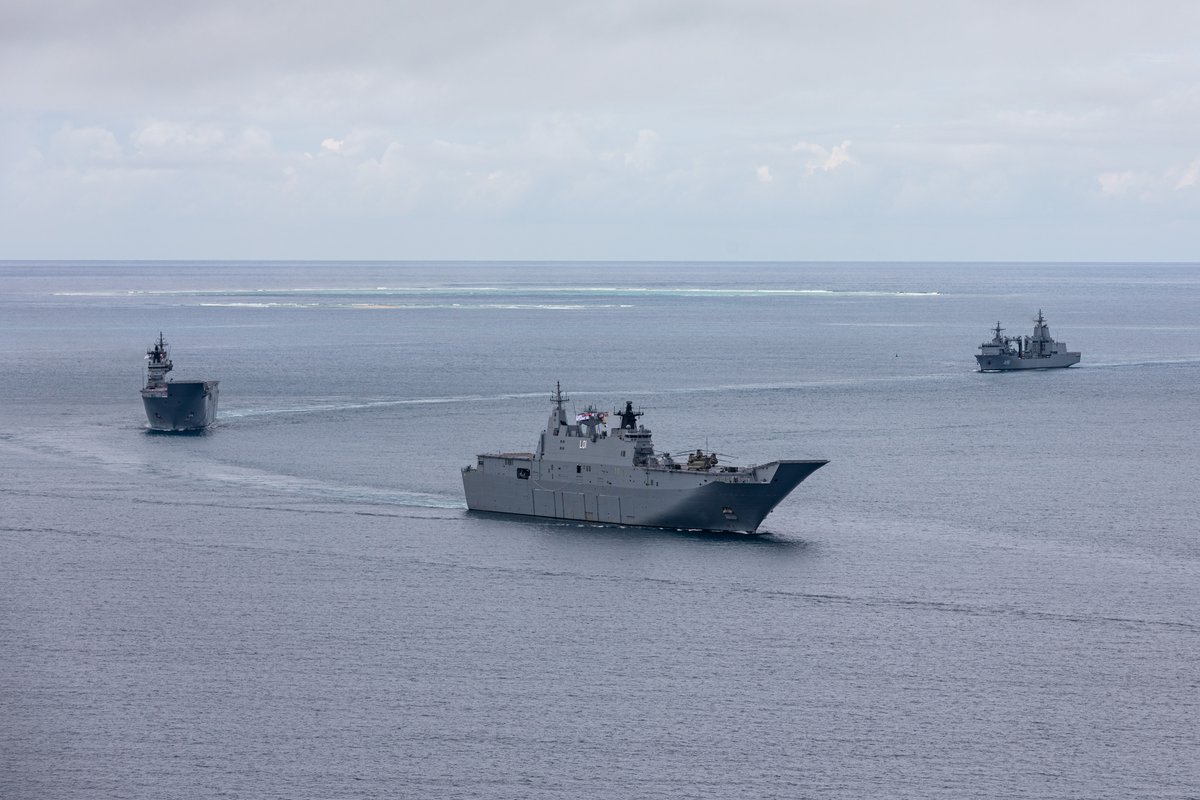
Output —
(1004, 353)
(175, 405)
(583, 471)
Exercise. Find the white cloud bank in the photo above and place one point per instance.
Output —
(668, 128)
(1151, 187)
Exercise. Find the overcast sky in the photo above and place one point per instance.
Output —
(555, 129)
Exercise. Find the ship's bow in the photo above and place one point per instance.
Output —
(739, 502)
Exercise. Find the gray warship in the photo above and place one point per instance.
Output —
(175, 405)
(1040, 351)
(583, 471)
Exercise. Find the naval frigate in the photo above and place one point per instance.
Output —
(583, 471)
(175, 405)
(1040, 351)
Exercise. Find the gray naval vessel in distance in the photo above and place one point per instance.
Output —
(1040, 351)
(175, 405)
(582, 471)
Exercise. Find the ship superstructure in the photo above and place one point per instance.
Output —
(582, 470)
(175, 405)
(1039, 351)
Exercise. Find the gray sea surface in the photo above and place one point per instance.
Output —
(992, 590)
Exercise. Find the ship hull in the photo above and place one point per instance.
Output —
(1004, 363)
(184, 406)
(641, 497)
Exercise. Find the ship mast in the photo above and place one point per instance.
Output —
(1041, 335)
(629, 416)
(158, 363)
(558, 399)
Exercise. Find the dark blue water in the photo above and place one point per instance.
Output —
(991, 591)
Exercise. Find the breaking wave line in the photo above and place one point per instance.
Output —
(385, 291)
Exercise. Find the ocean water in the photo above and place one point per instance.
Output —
(992, 590)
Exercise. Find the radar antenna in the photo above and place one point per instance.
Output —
(629, 416)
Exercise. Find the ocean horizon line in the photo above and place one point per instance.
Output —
(538, 261)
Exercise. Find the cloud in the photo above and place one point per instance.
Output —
(1150, 187)
(581, 112)
(178, 139)
(495, 190)
(85, 147)
(1189, 176)
(253, 143)
(1115, 184)
(558, 137)
(644, 151)
(821, 158)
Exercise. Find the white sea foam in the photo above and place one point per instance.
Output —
(292, 484)
(260, 305)
(322, 408)
(684, 291)
(88, 448)
(426, 306)
(229, 416)
(1085, 364)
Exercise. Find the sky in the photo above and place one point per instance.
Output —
(756, 130)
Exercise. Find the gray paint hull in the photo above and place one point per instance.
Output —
(1008, 363)
(184, 406)
(638, 496)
